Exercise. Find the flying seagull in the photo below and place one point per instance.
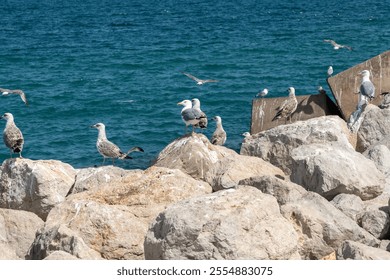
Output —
(199, 81)
(15, 91)
(367, 89)
(262, 93)
(337, 46)
(330, 71)
(189, 115)
(108, 149)
(288, 107)
(12, 136)
(219, 135)
(203, 118)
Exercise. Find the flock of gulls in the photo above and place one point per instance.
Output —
(191, 114)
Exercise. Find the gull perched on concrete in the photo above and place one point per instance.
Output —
(262, 93)
(108, 149)
(330, 71)
(15, 91)
(203, 118)
(337, 46)
(12, 136)
(219, 135)
(189, 115)
(198, 81)
(367, 89)
(288, 107)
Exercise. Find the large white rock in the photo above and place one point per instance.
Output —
(219, 166)
(351, 250)
(275, 145)
(109, 221)
(332, 169)
(17, 232)
(34, 185)
(240, 223)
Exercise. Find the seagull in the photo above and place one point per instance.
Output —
(12, 136)
(219, 135)
(15, 91)
(367, 89)
(288, 107)
(203, 118)
(199, 82)
(189, 115)
(321, 90)
(330, 71)
(108, 149)
(337, 46)
(262, 93)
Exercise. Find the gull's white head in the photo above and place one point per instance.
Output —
(99, 126)
(7, 116)
(246, 134)
(291, 91)
(217, 119)
(186, 103)
(195, 103)
(365, 73)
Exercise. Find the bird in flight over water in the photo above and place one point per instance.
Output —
(15, 91)
(199, 81)
(337, 46)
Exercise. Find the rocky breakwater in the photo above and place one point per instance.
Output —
(298, 191)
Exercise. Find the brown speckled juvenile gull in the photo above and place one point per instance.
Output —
(203, 118)
(199, 81)
(15, 91)
(219, 135)
(108, 149)
(12, 136)
(288, 107)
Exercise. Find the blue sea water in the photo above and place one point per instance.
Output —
(119, 62)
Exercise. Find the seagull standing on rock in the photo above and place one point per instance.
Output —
(367, 89)
(189, 115)
(12, 136)
(288, 107)
(203, 118)
(262, 93)
(108, 149)
(219, 135)
(330, 71)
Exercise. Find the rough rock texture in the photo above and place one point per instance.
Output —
(275, 145)
(17, 232)
(351, 205)
(350, 250)
(240, 223)
(110, 221)
(35, 186)
(385, 102)
(331, 170)
(322, 227)
(221, 167)
(60, 255)
(380, 155)
(376, 222)
(375, 127)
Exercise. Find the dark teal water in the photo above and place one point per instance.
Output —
(119, 62)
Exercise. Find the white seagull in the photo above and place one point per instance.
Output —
(199, 81)
(12, 136)
(337, 46)
(262, 93)
(330, 71)
(15, 91)
(189, 115)
(367, 89)
(108, 149)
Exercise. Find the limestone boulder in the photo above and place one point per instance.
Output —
(238, 223)
(376, 222)
(332, 169)
(60, 255)
(321, 227)
(17, 232)
(34, 185)
(374, 128)
(380, 154)
(385, 104)
(351, 205)
(219, 166)
(276, 145)
(351, 250)
(110, 221)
